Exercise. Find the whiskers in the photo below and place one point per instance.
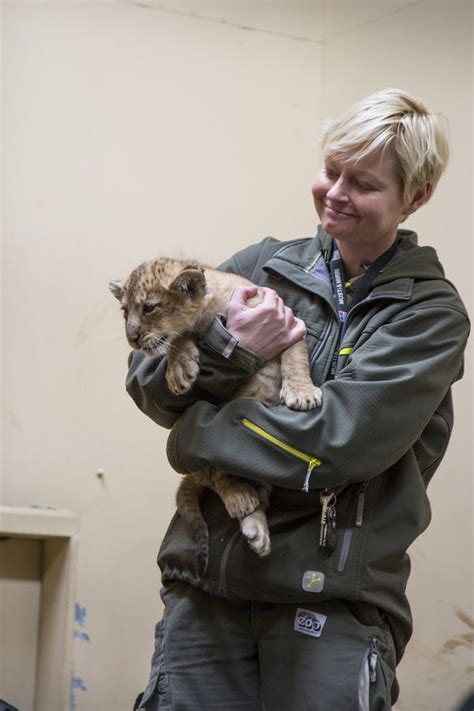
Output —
(154, 346)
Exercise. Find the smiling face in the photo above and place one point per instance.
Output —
(360, 203)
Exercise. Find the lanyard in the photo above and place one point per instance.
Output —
(336, 269)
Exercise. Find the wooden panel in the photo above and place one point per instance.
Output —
(55, 636)
(20, 593)
(38, 555)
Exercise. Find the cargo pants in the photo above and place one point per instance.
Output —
(217, 654)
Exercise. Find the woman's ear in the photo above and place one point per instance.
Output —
(420, 198)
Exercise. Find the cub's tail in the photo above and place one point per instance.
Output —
(187, 501)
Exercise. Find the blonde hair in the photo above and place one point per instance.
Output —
(392, 119)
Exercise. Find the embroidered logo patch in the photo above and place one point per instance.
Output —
(313, 581)
(309, 622)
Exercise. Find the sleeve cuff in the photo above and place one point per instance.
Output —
(220, 340)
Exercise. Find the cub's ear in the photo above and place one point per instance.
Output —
(190, 281)
(116, 287)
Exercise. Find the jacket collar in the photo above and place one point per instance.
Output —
(304, 263)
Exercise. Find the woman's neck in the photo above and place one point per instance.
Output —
(355, 256)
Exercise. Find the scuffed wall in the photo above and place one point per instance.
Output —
(191, 129)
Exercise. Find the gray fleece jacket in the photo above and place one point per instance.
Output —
(376, 441)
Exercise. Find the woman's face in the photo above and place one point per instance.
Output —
(361, 202)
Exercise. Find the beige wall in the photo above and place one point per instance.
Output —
(191, 129)
(427, 49)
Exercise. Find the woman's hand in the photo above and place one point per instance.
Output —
(267, 328)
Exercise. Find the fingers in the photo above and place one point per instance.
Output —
(267, 327)
(270, 297)
(298, 330)
(241, 294)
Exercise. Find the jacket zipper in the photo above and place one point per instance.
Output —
(322, 343)
(222, 589)
(311, 461)
(361, 504)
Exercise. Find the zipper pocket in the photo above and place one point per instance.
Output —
(311, 461)
(348, 533)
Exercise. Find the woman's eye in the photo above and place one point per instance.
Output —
(148, 308)
(363, 186)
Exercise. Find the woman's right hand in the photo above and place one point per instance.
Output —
(267, 328)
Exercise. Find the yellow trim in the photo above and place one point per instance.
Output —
(312, 461)
(315, 260)
(345, 351)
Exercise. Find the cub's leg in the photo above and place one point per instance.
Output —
(183, 365)
(239, 497)
(298, 390)
(254, 527)
(248, 504)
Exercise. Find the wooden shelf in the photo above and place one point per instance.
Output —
(35, 522)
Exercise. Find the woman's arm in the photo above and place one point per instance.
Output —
(372, 413)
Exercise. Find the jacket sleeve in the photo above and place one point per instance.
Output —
(371, 414)
(224, 366)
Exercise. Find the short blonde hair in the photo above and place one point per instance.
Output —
(393, 119)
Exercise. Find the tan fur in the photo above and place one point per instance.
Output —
(166, 302)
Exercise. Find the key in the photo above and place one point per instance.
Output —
(328, 512)
(331, 525)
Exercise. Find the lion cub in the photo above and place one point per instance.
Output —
(167, 304)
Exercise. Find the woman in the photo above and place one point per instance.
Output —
(322, 622)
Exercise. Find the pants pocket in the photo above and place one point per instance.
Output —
(375, 680)
(157, 693)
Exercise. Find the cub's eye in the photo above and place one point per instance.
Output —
(148, 308)
(125, 311)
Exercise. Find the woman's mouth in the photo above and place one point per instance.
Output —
(338, 212)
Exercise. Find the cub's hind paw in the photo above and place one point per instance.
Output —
(305, 397)
(255, 529)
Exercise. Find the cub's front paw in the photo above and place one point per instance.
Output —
(303, 397)
(182, 370)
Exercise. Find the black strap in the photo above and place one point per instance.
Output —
(336, 268)
(365, 282)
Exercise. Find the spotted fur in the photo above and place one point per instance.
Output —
(166, 304)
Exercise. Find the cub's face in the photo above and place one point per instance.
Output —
(160, 300)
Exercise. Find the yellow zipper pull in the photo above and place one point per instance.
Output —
(311, 465)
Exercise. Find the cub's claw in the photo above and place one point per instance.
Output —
(180, 378)
(182, 370)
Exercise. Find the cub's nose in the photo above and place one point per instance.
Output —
(134, 342)
(133, 335)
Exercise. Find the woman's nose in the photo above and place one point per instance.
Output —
(337, 191)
